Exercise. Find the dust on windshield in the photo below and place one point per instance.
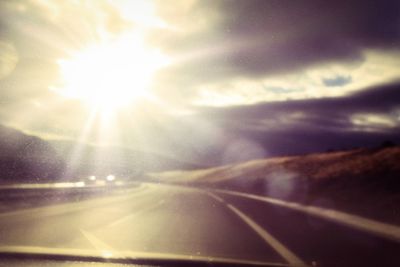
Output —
(256, 132)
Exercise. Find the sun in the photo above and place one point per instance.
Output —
(112, 74)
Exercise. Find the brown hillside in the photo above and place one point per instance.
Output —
(364, 181)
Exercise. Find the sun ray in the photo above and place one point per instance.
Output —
(77, 150)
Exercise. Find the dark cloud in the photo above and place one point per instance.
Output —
(258, 38)
(380, 99)
(303, 126)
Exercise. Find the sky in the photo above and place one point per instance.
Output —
(211, 77)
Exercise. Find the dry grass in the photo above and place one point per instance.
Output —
(365, 181)
(317, 167)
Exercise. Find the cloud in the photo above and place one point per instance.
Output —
(219, 42)
(277, 70)
(255, 38)
(375, 99)
(226, 52)
(215, 135)
(376, 69)
(364, 118)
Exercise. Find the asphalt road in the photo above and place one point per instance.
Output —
(177, 220)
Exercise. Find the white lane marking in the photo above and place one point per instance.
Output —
(385, 230)
(288, 255)
(272, 241)
(132, 215)
(97, 243)
(216, 197)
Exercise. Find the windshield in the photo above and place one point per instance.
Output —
(236, 131)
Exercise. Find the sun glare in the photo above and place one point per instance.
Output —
(110, 75)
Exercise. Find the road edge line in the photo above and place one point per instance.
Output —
(388, 231)
(281, 249)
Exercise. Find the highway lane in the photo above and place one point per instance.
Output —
(160, 219)
(177, 220)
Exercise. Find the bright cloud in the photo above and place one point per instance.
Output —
(377, 68)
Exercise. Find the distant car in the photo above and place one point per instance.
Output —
(110, 178)
(102, 180)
